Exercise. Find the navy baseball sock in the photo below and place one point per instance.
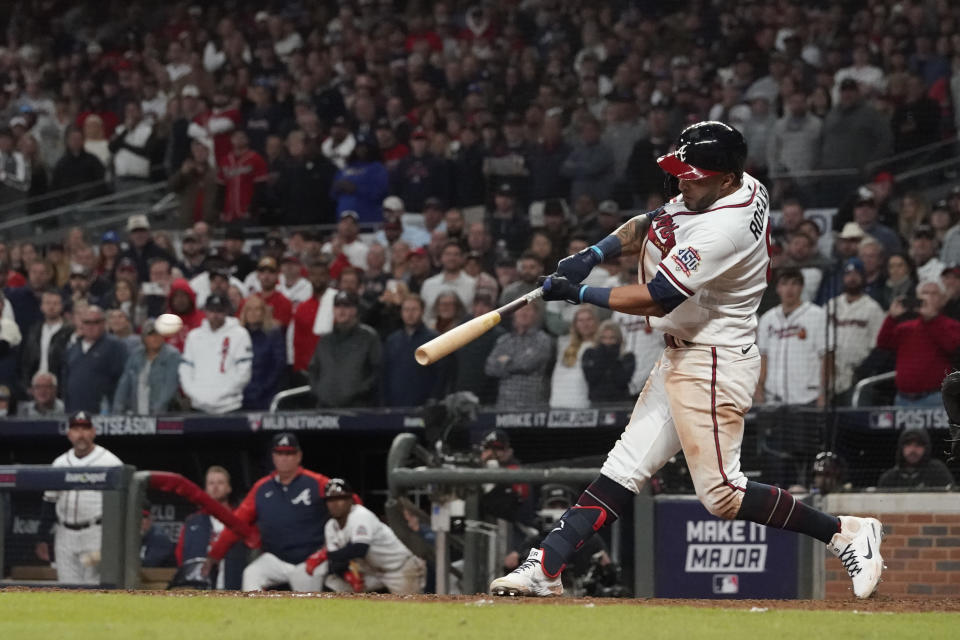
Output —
(600, 504)
(775, 507)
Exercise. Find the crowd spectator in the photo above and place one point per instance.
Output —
(923, 345)
(346, 368)
(520, 360)
(280, 307)
(149, 381)
(92, 365)
(183, 303)
(901, 280)
(923, 250)
(792, 347)
(44, 403)
(24, 301)
(361, 185)
(269, 354)
(568, 386)
(406, 383)
(46, 342)
(78, 173)
(243, 174)
(120, 327)
(608, 367)
(452, 277)
(142, 248)
(855, 319)
(196, 184)
(915, 466)
(217, 358)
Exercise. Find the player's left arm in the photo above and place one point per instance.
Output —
(627, 240)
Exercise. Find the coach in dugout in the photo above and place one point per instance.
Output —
(288, 508)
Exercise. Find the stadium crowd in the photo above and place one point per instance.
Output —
(420, 163)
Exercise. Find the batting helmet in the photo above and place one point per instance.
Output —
(337, 488)
(706, 149)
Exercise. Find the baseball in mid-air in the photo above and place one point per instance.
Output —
(168, 324)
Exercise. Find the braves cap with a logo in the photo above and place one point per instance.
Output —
(285, 443)
(337, 488)
(80, 419)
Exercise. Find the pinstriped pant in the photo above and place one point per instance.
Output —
(694, 400)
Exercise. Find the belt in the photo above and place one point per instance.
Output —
(80, 526)
(676, 343)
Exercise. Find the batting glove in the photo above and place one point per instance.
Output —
(354, 578)
(315, 559)
(559, 288)
(578, 266)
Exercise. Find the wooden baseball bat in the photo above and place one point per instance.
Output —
(444, 345)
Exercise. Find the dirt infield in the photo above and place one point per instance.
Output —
(876, 604)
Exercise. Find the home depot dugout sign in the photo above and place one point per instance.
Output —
(701, 556)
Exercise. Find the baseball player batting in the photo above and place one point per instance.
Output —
(704, 262)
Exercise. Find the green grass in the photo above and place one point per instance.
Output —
(62, 616)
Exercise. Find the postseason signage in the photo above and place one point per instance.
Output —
(701, 556)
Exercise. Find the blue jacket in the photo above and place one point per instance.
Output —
(371, 180)
(89, 379)
(162, 380)
(406, 383)
(26, 307)
(290, 518)
(269, 360)
(196, 535)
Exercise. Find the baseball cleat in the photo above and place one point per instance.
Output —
(528, 579)
(858, 547)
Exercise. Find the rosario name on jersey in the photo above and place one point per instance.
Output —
(718, 260)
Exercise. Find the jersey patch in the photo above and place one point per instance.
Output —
(687, 260)
(661, 233)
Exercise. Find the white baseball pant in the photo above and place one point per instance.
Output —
(410, 578)
(77, 554)
(268, 571)
(694, 400)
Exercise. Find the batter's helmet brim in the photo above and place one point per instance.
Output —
(673, 165)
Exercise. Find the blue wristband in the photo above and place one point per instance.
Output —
(610, 247)
(597, 251)
(597, 296)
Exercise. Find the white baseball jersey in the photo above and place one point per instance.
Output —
(81, 507)
(793, 346)
(718, 260)
(640, 339)
(853, 331)
(386, 552)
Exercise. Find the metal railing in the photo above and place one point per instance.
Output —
(867, 384)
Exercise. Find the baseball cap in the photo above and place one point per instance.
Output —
(505, 189)
(854, 264)
(126, 264)
(337, 488)
(138, 221)
(496, 439)
(217, 302)
(924, 231)
(849, 83)
(291, 258)
(273, 242)
(418, 252)
(339, 121)
(609, 207)
(190, 236)
(393, 203)
(383, 123)
(433, 203)
(190, 91)
(952, 269)
(110, 237)
(418, 134)
(941, 204)
(851, 231)
(148, 327)
(18, 121)
(285, 443)
(350, 213)
(79, 270)
(80, 419)
(864, 194)
(266, 262)
(345, 299)
(553, 207)
(220, 272)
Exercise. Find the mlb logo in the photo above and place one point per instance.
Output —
(881, 420)
(726, 584)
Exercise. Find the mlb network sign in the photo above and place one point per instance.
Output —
(700, 556)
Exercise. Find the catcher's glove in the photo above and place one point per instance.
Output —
(950, 391)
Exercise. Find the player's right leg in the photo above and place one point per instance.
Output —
(66, 549)
(645, 445)
(266, 571)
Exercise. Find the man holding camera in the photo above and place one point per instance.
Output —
(923, 346)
